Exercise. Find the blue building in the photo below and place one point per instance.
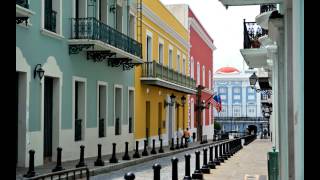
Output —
(75, 77)
(241, 105)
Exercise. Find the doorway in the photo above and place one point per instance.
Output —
(170, 134)
(48, 109)
(147, 120)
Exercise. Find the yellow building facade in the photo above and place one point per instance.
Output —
(165, 72)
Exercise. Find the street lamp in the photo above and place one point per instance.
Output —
(253, 80)
(173, 99)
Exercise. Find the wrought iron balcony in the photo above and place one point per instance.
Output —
(23, 3)
(237, 119)
(252, 32)
(50, 20)
(91, 28)
(161, 75)
(267, 7)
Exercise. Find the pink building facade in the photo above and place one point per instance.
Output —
(201, 66)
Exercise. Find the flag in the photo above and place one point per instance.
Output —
(217, 102)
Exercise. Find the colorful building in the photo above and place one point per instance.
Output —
(86, 50)
(165, 72)
(201, 67)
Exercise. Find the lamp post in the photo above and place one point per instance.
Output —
(183, 102)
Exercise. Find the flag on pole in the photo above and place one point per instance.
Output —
(217, 102)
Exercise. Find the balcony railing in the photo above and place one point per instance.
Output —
(252, 32)
(23, 3)
(50, 20)
(91, 28)
(235, 119)
(156, 70)
(267, 7)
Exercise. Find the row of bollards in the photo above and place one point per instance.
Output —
(99, 161)
(226, 149)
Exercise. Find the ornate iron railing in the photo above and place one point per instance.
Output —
(235, 119)
(156, 70)
(23, 3)
(91, 28)
(252, 32)
(78, 130)
(267, 7)
(50, 20)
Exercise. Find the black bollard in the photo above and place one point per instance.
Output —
(227, 150)
(81, 162)
(161, 149)
(113, 159)
(136, 154)
(129, 176)
(58, 166)
(181, 144)
(99, 161)
(216, 159)
(221, 159)
(225, 156)
(172, 144)
(153, 151)
(211, 164)
(31, 172)
(187, 167)
(197, 173)
(145, 152)
(186, 142)
(177, 146)
(156, 171)
(205, 168)
(174, 161)
(126, 154)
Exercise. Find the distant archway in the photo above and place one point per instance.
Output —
(252, 129)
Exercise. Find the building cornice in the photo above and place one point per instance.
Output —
(197, 27)
(159, 22)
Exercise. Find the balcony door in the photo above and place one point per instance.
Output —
(103, 11)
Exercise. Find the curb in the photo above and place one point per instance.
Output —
(118, 166)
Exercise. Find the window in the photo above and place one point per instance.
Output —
(178, 64)
(79, 105)
(236, 90)
(149, 48)
(170, 59)
(223, 90)
(223, 96)
(52, 16)
(160, 53)
(203, 75)
(250, 90)
(119, 17)
(198, 73)
(209, 78)
(236, 111)
(102, 108)
(192, 68)
(251, 97)
(131, 110)
(184, 66)
(236, 97)
(131, 26)
(118, 108)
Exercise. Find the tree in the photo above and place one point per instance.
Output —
(217, 126)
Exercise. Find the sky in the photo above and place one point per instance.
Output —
(225, 26)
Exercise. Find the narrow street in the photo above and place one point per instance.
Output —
(251, 160)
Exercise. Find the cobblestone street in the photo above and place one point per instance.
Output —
(251, 160)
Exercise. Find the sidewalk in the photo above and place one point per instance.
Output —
(94, 170)
(248, 164)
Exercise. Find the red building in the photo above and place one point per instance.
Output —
(201, 66)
